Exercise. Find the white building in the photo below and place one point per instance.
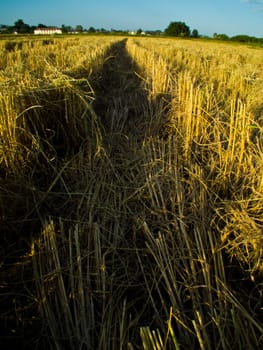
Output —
(47, 31)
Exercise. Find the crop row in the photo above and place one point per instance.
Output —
(46, 85)
(214, 93)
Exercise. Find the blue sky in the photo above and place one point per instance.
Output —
(207, 16)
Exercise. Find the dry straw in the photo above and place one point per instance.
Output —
(136, 166)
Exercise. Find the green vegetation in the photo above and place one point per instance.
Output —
(177, 29)
(180, 29)
(239, 38)
(131, 194)
(174, 29)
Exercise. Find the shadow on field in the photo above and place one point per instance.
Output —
(60, 124)
(121, 101)
(104, 226)
(57, 129)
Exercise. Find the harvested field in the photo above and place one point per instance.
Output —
(131, 194)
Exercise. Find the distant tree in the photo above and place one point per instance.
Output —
(242, 38)
(21, 27)
(92, 30)
(139, 31)
(5, 29)
(66, 29)
(63, 28)
(220, 36)
(195, 33)
(40, 25)
(154, 32)
(79, 28)
(179, 29)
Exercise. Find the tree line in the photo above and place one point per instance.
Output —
(180, 29)
(242, 38)
(20, 27)
(174, 29)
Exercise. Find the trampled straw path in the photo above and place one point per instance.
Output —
(121, 99)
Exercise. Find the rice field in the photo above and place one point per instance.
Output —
(131, 194)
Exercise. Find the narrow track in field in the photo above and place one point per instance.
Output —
(121, 100)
